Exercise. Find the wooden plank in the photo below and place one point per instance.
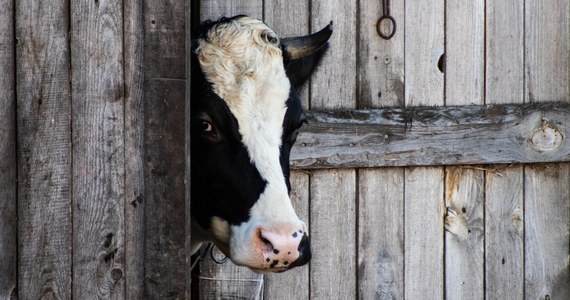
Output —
(434, 136)
(547, 192)
(213, 10)
(380, 62)
(380, 191)
(333, 237)
(8, 206)
(333, 193)
(381, 234)
(504, 211)
(98, 160)
(187, 147)
(504, 233)
(44, 150)
(134, 154)
(424, 211)
(464, 197)
(423, 194)
(230, 281)
(464, 224)
(295, 281)
(164, 144)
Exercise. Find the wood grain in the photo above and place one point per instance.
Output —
(333, 193)
(8, 204)
(164, 144)
(98, 162)
(381, 234)
(434, 136)
(213, 9)
(464, 197)
(424, 211)
(423, 194)
(333, 236)
(504, 205)
(134, 153)
(44, 150)
(380, 191)
(547, 192)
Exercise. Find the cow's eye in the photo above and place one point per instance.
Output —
(270, 38)
(206, 126)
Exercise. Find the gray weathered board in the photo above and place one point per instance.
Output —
(493, 134)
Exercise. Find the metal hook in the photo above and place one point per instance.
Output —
(386, 16)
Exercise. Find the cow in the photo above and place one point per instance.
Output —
(245, 117)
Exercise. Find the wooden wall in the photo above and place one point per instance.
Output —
(92, 164)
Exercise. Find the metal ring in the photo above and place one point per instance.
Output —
(378, 29)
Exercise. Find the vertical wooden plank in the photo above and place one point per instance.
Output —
(98, 149)
(213, 10)
(464, 197)
(381, 234)
(423, 233)
(381, 191)
(164, 144)
(134, 160)
(8, 204)
(504, 234)
(187, 147)
(333, 193)
(295, 281)
(504, 211)
(547, 192)
(333, 237)
(380, 62)
(228, 280)
(464, 236)
(44, 150)
(423, 204)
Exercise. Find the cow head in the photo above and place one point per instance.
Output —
(245, 118)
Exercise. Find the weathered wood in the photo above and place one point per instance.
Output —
(424, 211)
(464, 224)
(380, 191)
(434, 136)
(230, 281)
(134, 157)
(504, 211)
(380, 62)
(504, 233)
(333, 237)
(8, 204)
(423, 204)
(44, 150)
(333, 192)
(547, 192)
(381, 234)
(187, 147)
(464, 197)
(98, 162)
(293, 284)
(164, 144)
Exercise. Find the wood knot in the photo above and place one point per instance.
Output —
(547, 137)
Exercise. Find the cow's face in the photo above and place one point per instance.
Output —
(245, 118)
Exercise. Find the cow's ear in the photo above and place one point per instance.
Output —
(301, 55)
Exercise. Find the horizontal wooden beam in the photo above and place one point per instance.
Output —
(422, 136)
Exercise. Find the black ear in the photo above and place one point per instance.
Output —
(302, 55)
